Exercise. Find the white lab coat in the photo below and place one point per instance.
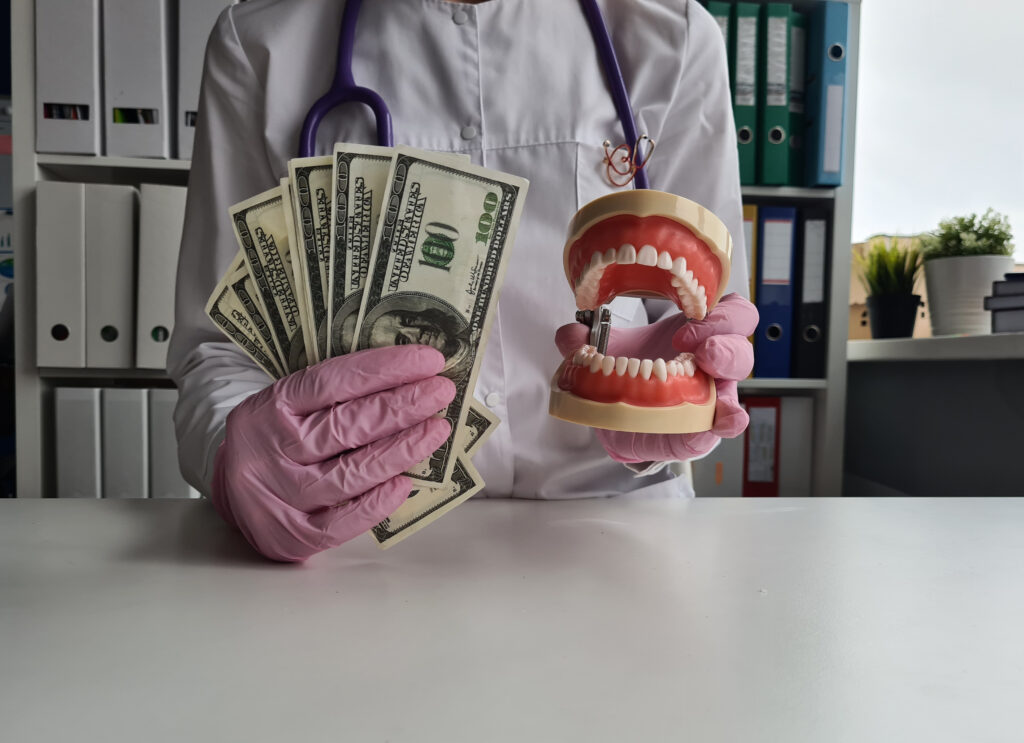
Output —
(518, 86)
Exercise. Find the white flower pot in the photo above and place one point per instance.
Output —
(957, 288)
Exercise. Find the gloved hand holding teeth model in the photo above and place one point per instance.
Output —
(716, 346)
(665, 391)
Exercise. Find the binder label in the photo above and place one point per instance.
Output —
(797, 73)
(761, 440)
(776, 248)
(748, 242)
(814, 261)
(775, 74)
(833, 128)
(746, 61)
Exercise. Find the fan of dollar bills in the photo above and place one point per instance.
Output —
(371, 247)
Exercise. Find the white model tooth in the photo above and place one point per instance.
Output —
(626, 254)
(673, 368)
(689, 368)
(596, 260)
(609, 256)
(660, 370)
(646, 367)
(620, 365)
(677, 282)
(579, 356)
(647, 256)
(701, 294)
(679, 266)
(608, 365)
(633, 367)
(688, 277)
(664, 261)
(596, 361)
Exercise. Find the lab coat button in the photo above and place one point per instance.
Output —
(492, 399)
(460, 16)
(469, 132)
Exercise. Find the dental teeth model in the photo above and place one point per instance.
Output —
(641, 243)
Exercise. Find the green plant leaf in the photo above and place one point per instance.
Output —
(988, 234)
(886, 269)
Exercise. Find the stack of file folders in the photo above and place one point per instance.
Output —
(789, 259)
(1007, 304)
(120, 77)
(117, 443)
(787, 71)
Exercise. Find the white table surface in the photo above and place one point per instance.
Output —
(822, 620)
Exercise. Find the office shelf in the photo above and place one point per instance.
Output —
(34, 386)
(101, 375)
(782, 385)
(106, 161)
(789, 193)
(941, 348)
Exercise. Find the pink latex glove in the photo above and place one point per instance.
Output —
(316, 458)
(719, 343)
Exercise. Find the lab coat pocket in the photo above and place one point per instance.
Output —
(591, 176)
(591, 183)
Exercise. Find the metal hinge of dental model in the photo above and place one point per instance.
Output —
(600, 323)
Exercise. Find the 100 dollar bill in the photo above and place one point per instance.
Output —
(232, 310)
(261, 228)
(359, 176)
(480, 424)
(426, 505)
(310, 181)
(438, 261)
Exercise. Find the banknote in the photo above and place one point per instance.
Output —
(245, 292)
(480, 424)
(426, 505)
(232, 315)
(359, 176)
(438, 260)
(262, 233)
(358, 180)
(310, 181)
(298, 272)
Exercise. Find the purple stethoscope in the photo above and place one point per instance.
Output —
(344, 90)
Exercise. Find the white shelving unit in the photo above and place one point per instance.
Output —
(34, 386)
(829, 393)
(940, 348)
(93, 162)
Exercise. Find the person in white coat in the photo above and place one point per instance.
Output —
(517, 86)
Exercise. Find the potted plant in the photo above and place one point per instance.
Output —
(961, 260)
(889, 274)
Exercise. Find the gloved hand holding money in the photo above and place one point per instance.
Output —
(373, 247)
